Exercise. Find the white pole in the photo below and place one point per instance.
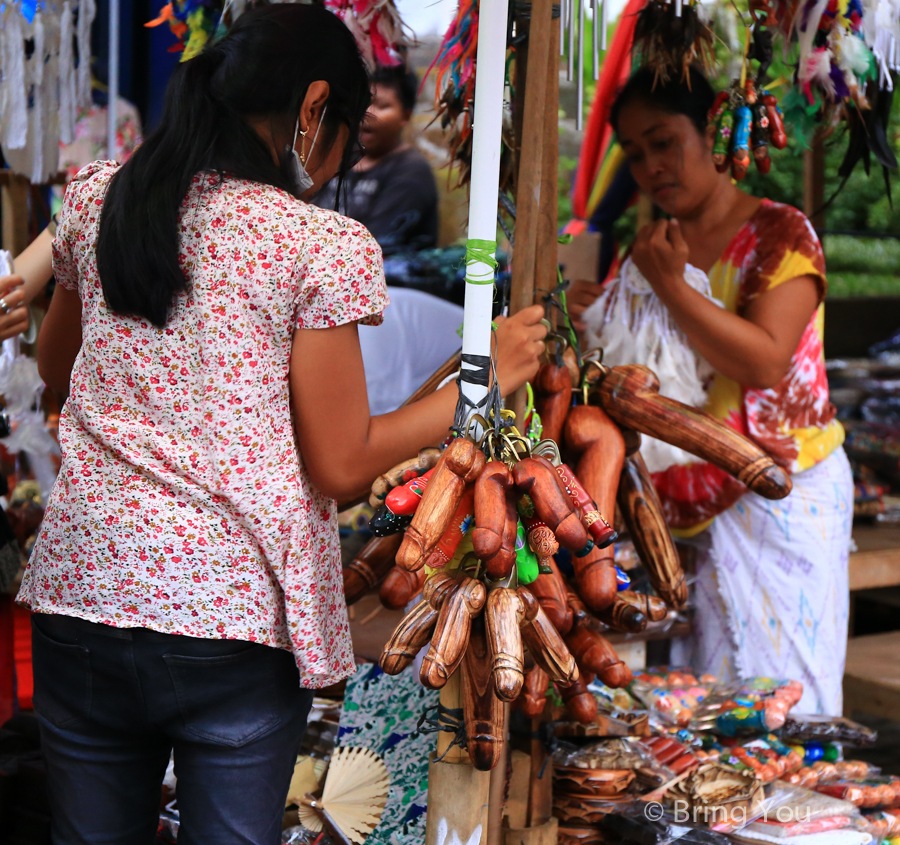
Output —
(113, 64)
(485, 180)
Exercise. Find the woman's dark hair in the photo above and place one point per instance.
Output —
(692, 97)
(262, 69)
(401, 80)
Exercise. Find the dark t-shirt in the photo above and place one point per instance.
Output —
(396, 201)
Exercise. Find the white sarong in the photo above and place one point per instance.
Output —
(771, 593)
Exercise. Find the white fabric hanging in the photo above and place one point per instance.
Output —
(41, 94)
(632, 326)
(21, 387)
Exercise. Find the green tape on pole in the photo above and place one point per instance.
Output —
(481, 252)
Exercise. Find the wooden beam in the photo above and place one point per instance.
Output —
(814, 183)
(530, 183)
(548, 213)
(869, 570)
(14, 204)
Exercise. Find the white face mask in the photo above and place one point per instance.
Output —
(302, 180)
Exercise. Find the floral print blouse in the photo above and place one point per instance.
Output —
(794, 421)
(182, 504)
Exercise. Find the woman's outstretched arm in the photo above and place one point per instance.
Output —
(343, 447)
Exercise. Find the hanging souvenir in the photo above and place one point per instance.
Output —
(376, 25)
(671, 36)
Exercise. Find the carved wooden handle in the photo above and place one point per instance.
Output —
(364, 572)
(592, 650)
(496, 520)
(599, 442)
(400, 586)
(409, 638)
(503, 615)
(451, 635)
(491, 488)
(544, 642)
(460, 465)
(537, 477)
(643, 516)
(624, 616)
(630, 395)
(402, 473)
(653, 607)
(416, 628)
(552, 398)
(550, 591)
(534, 693)
(580, 702)
(482, 710)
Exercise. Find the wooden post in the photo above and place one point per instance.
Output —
(814, 183)
(540, 798)
(532, 182)
(548, 220)
(457, 803)
(498, 787)
(14, 200)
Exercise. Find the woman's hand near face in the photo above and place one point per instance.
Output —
(15, 320)
(660, 252)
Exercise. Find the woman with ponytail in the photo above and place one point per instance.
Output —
(186, 585)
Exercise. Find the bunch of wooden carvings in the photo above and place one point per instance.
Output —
(475, 528)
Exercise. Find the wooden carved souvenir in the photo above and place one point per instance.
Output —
(579, 700)
(400, 586)
(592, 650)
(451, 538)
(482, 711)
(496, 520)
(534, 692)
(459, 465)
(550, 591)
(369, 567)
(544, 641)
(599, 442)
(600, 531)
(653, 543)
(537, 477)
(503, 616)
(623, 616)
(402, 473)
(541, 540)
(552, 398)
(451, 634)
(417, 627)
(405, 499)
(653, 607)
(630, 395)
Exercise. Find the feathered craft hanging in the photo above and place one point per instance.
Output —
(45, 79)
(376, 25)
(454, 93)
(671, 36)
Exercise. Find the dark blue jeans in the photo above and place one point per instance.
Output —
(114, 702)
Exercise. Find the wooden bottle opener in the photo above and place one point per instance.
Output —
(369, 567)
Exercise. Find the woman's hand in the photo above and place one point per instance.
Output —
(580, 296)
(520, 344)
(13, 313)
(661, 253)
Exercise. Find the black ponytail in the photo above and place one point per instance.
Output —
(692, 96)
(261, 68)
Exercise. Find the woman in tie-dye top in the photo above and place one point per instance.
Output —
(771, 591)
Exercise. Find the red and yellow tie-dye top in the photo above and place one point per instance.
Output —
(794, 421)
